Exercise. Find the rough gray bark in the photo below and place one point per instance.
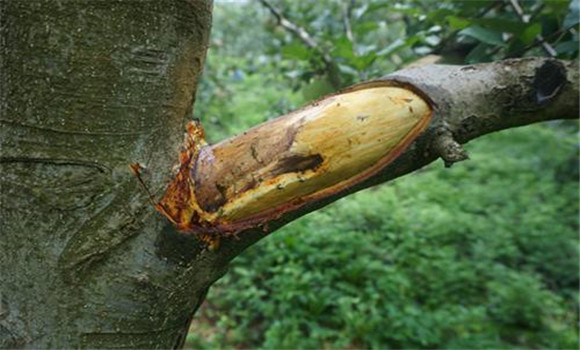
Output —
(89, 87)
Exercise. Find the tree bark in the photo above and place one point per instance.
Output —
(87, 88)
(90, 87)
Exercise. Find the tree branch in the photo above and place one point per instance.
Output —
(526, 19)
(308, 40)
(447, 106)
(346, 12)
(557, 35)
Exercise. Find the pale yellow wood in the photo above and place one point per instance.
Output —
(351, 132)
(321, 149)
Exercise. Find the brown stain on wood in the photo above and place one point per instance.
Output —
(230, 169)
(296, 164)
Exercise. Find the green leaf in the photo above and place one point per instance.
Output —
(439, 15)
(343, 48)
(296, 51)
(377, 5)
(317, 88)
(531, 32)
(457, 23)
(567, 47)
(556, 8)
(345, 69)
(400, 44)
(502, 24)
(476, 4)
(364, 61)
(478, 54)
(515, 46)
(484, 35)
(362, 28)
(573, 16)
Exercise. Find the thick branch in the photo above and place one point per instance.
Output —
(420, 114)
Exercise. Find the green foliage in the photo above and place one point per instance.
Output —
(483, 255)
(385, 34)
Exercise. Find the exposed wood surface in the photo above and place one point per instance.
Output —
(282, 164)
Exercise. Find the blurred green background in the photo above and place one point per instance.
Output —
(482, 255)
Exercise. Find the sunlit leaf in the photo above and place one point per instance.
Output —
(531, 32)
(395, 45)
(365, 27)
(296, 51)
(399, 44)
(360, 11)
(432, 40)
(343, 48)
(457, 23)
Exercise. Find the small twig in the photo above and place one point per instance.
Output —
(539, 38)
(526, 19)
(448, 149)
(559, 32)
(300, 32)
(307, 39)
(346, 9)
(346, 12)
(536, 12)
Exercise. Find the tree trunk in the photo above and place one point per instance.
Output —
(87, 88)
(90, 87)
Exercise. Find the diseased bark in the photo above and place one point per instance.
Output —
(276, 167)
(467, 102)
(89, 87)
